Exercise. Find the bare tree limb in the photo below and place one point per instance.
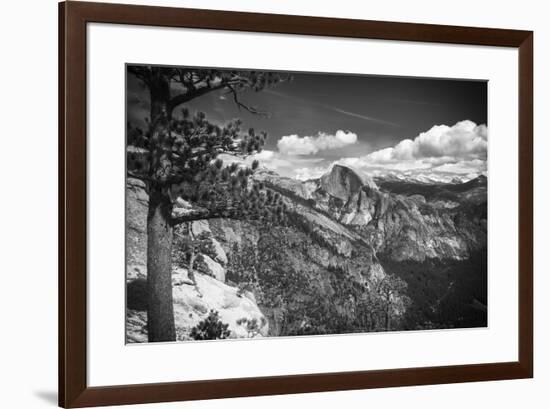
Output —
(240, 104)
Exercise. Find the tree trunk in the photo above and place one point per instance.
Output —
(160, 95)
(160, 313)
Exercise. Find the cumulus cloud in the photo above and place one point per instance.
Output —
(459, 149)
(284, 165)
(310, 145)
(441, 153)
(310, 173)
(464, 140)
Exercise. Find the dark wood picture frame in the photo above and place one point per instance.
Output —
(73, 388)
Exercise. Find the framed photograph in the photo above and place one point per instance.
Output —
(254, 204)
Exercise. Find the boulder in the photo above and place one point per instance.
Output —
(137, 202)
(211, 268)
(193, 304)
(217, 252)
(200, 227)
(189, 309)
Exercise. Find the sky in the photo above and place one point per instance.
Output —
(380, 125)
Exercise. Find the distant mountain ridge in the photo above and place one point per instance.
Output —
(408, 220)
(425, 177)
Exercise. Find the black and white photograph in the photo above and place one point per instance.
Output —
(274, 204)
(281, 204)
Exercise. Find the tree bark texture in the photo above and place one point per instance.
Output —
(160, 313)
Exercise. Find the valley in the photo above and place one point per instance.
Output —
(356, 254)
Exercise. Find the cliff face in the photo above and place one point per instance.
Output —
(347, 235)
(344, 183)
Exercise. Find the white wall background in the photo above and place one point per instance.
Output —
(28, 205)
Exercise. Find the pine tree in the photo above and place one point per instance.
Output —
(211, 327)
(176, 158)
(252, 326)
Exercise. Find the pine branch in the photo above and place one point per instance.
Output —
(190, 95)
